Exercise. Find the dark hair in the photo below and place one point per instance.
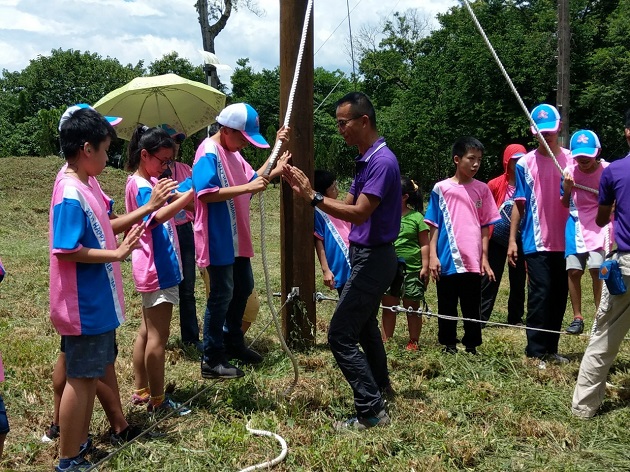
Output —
(323, 180)
(465, 144)
(627, 118)
(409, 187)
(84, 125)
(360, 105)
(151, 139)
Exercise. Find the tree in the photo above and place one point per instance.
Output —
(171, 63)
(213, 16)
(34, 98)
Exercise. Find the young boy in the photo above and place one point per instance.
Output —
(224, 183)
(86, 297)
(584, 239)
(460, 210)
(331, 236)
(536, 202)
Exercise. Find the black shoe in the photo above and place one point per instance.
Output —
(221, 370)
(576, 326)
(243, 354)
(387, 392)
(471, 350)
(450, 349)
(126, 435)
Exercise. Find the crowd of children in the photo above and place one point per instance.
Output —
(544, 223)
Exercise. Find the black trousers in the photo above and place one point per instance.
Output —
(497, 254)
(548, 290)
(465, 288)
(355, 323)
(187, 306)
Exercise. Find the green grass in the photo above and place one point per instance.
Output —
(495, 411)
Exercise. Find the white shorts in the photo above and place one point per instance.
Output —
(168, 295)
(578, 261)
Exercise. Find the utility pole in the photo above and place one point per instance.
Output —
(296, 216)
(564, 69)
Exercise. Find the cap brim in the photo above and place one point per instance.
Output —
(550, 127)
(113, 120)
(256, 139)
(584, 152)
(517, 155)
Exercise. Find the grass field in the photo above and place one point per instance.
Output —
(494, 411)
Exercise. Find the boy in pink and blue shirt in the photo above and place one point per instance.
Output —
(585, 240)
(224, 183)
(460, 211)
(86, 299)
(537, 203)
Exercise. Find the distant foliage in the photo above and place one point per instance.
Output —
(428, 87)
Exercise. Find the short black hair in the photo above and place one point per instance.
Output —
(84, 125)
(465, 144)
(627, 118)
(360, 104)
(323, 180)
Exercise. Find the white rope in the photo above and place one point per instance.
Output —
(271, 463)
(516, 94)
(296, 76)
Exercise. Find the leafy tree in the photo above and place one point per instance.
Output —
(37, 95)
(171, 63)
(431, 88)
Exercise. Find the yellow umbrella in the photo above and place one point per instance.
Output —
(186, 105)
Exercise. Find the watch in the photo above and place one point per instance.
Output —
(317, 199)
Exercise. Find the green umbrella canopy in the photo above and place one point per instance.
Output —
(185, 105)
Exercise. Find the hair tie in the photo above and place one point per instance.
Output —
(415, 186)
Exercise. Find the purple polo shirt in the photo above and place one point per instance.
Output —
(378, 174)
(614, 186)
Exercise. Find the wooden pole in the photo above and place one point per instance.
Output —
(564, 69)
(296, 216)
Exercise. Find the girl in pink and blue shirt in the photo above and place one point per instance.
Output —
(585, 240)
(156, 264)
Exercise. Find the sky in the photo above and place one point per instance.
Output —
(133, 30)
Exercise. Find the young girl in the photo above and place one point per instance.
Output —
(156, 265)
(586, 242)
(331, 236)
(412, 245)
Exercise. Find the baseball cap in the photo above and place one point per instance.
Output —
(113, 120)
(173, 133)
(514, 151)
(585, 143)
(243, 117)
(546, 118)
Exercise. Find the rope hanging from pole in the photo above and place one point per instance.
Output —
(466, 4)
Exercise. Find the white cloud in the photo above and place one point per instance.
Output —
(147, 29)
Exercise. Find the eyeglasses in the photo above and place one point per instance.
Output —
(164, 162)
(341, 124)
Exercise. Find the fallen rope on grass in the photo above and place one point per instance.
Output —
(277, 437)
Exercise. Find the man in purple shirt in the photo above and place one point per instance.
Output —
(373, 206)
(613, 315)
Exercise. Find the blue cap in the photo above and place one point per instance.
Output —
(546, 118)
(172, 132)
(585, 143)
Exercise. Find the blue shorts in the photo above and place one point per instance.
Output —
(88, 356)
(62, 347)
(4, 422)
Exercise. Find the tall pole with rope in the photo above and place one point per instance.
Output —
(296, 219)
